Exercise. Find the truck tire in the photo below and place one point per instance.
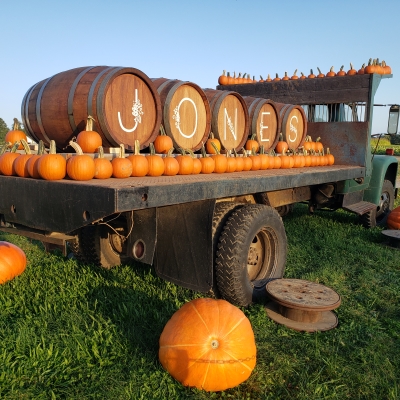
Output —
(251, 251)
(222, 212)
(77, 250)
(102, 246)
(378, 216)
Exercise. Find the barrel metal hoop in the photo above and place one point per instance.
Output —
(24, 112)
(100, 94)
(216, 105)
(92, 89)
(162, 86)
(71, 98)
(38, 110)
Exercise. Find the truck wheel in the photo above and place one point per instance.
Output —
(222, 212)
(251, 251)
(102, 246)
(378, 216)
(77, 250)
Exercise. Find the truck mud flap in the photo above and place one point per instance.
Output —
(184, 244)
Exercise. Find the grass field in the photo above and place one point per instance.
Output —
(72, 331)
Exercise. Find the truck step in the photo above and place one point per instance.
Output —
(360, 208)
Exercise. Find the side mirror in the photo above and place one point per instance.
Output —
(393, 121)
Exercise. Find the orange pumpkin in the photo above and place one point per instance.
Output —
(341, 72)
(122, 167)
(185, 163)
(320, 75)
(294, 77)
(15, 135)
(276, 79)
(311, 76)
(21, 162)
(302, 76)
(89, 140)
(361, 70)
(261, 79)
(209, 144)
(207, 163)
(318, 145)
(308, 143)
(231, 163)
(230, 80)
(223, 79)
(196, 166)
(277, 161)
(247, 161)
(330, 157)
(156, 163)
(162, 143)
(171, 165)
(140, 165)
(52, 166)
(12, 261)
(32, 163)
(239, 162)
(285, 78)
(264, 159)
(221, 162)
(331, 72)
(80, 167)
(393, 219)
(252, 143)
(386, 68)
(282, 146)
(102, 166)
(256, 160)
(370, 68)
(7, 161)
(351, 71)
(268, 79)
(208, 344)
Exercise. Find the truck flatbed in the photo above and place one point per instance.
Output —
(66, 205)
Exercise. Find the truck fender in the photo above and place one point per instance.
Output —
(383, 168)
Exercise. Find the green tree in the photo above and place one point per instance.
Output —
(3, 130)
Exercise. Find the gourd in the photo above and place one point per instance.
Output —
(89, 140)
(80, 167)
(171, 165)
(386, 68)
(32, 163)
(311, 76)
(52, 166)
(12, 261)
(221, 162)
(196, 163)
(361, 71)
(223, 79)
(276, 79)
(285, 78)
(247, 161)
(208, 344)
(302, 76)
(370, 68)
(320, 75)
(207, 163)
(261, 79)
(122, 167)
(209, 144)
(230, 80)
(185, 163)
(102, 167)
(156, 163)
(239, 161)
(162, 143)
(351, 71)
(282, 146)
(330, 157)
(256, 160)
(240, 79)
(7, 161)
(294, 77)
(15, 135)
(318, 145)
(140, 164)
(264, 158)
(331, 72)
(341, 72)
(252, 143)
(268, 79)
(21, 162)
(231, 162)
(393, 219)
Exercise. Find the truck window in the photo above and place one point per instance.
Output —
(335, 112)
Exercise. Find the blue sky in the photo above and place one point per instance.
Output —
(194, 41)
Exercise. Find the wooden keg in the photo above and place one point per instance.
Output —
(293, 122)
(264, 121)
(230, 118)
(123, 102)
(186, 113)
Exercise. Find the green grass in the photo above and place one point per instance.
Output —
(379, 146)
(72, 331)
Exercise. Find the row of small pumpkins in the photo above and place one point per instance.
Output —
(212, 347)
(373, 67)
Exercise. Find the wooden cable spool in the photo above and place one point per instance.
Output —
(230, 118)
(293, 122)
(123, 102)
(264, 121)
(186, 112)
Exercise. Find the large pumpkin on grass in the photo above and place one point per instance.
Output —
(208, 344)
(12, 261)
(393, 219)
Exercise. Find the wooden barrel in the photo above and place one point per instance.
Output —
(123, 102)
(186, 113)
(264, 121)
(293, 122)
(230, 118)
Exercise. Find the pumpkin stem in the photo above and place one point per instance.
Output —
(341, 68)
(261, 78)
(15, 146)
(41, 147)
(4, 148)
(16, 124)
(277, 75)
(211, 135)
(122, 150)
(152, 149)
(331, 70)
(235, 152)
(214, 344)
(319, 70)
(327, 151)
(190, 153)
(351, 66)
(100, 150)
(215, 148)
(253, 151)
(137, 147)
(262, 149)
(253, 136)
(269, 77)
(89, 123)
(203, 150)
(302, 74)
(318, 139)
(363, 66)
(52, 147)
(162, 130)
(244, 152)
(312, 72)
(170, 151)
(223, 72)
(76, 147)
(25, 146)
(295, 72)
